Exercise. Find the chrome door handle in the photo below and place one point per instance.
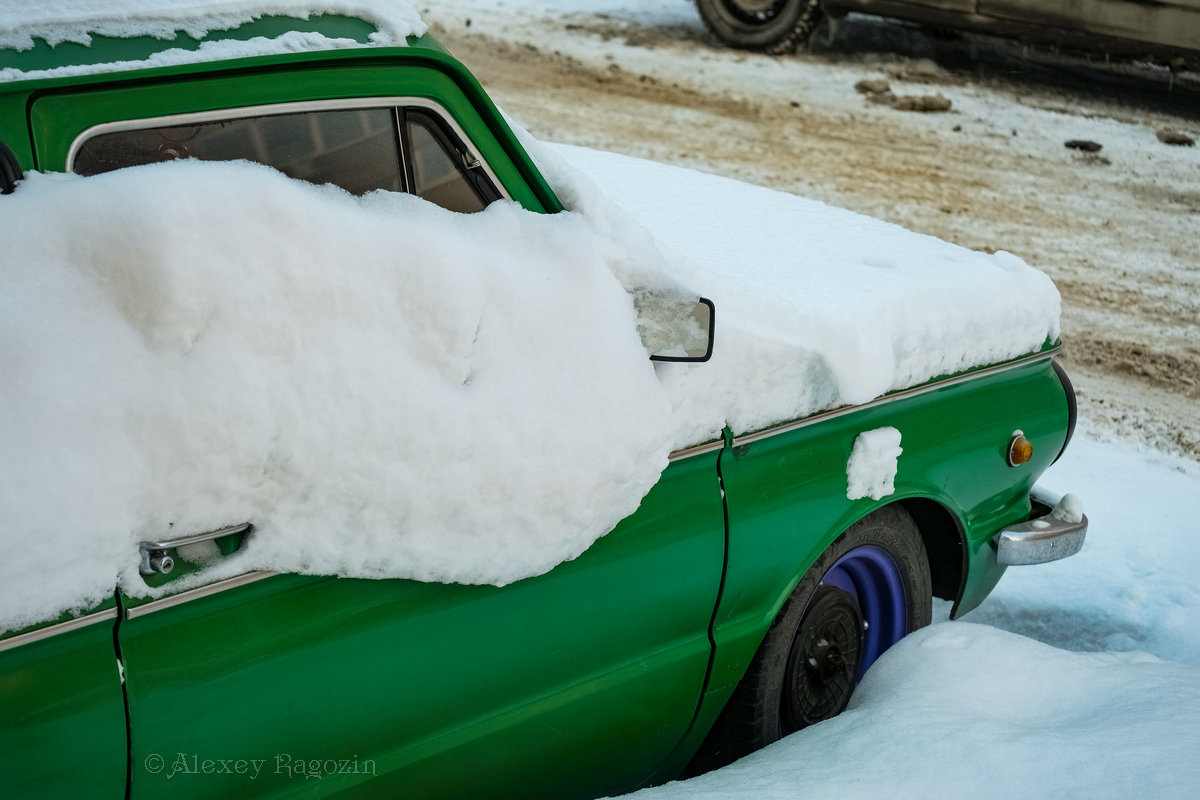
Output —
(154, 554)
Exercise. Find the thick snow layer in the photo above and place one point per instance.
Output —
(874, 460)
(963, 710)
(382, 387)
(386, 389)
(1091, 690)
(57, 21)
(816, 306)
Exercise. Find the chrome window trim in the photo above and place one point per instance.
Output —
(60, 628)
(197, 593)
(697, 450)
(274, 109)
(903, 394)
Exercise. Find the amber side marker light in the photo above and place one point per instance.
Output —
(1020, 449)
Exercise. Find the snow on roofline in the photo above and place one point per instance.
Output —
(58, 21)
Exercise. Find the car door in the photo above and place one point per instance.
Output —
(62, 715)
(1173, 23)
(576, 683)
(965, 6)
(573, 684)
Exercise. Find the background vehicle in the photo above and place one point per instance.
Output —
(1169, 28)
(747, 580)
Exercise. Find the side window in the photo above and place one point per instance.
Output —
(360, 150)
(440, 172)
(353, 149)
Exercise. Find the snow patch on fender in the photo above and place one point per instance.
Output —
(873, 464)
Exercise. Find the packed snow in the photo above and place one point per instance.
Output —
(816, 306)
(384, 388)
(77, 21)
(391, 408)
(874, 460)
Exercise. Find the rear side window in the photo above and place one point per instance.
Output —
(359, 149)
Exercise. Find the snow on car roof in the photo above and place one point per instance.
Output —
(59, 38)
(387, 389)
(817, 306)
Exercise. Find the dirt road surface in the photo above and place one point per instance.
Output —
(1118, 228)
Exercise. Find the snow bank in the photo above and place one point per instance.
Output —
(1133, 586)
(816, 306)
(384, 388)
(964, 710)
(58, 21)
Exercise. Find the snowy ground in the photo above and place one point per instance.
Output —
(1075, 679)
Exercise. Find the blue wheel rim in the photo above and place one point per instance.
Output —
(872, 576)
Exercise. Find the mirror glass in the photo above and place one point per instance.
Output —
(677, 331)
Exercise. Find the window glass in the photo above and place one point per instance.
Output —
(355, 149)
(438, 172)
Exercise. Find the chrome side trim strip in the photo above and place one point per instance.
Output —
(696, 450)
(903, 394)
(273, 109)
(196, 594)
(55, 630)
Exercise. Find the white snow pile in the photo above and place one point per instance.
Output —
(384, 388)
(964, 710)
(816, 306)
(58, 21)
(387, 389)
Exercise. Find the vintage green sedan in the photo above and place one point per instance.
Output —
(743, 599)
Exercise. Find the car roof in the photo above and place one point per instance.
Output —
(103, 49)
(71, 41)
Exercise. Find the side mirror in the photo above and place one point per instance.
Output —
(685, 334)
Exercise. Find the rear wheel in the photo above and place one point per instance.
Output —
(772, 26)
(861, 596)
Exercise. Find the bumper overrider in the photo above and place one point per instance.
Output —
(1055, 529)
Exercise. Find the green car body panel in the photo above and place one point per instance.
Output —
(62, 714)
(600, 676)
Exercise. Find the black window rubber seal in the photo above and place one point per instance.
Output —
(10, 170)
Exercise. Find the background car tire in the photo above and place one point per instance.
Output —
(818, 648)
(771, 26)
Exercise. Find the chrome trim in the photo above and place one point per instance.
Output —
(55, 630)
(903, 394)
(696, 450)
(275, 109)
(196, 594)
(180, 541)
(1041, 538)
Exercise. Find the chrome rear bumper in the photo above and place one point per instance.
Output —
(1056, 529)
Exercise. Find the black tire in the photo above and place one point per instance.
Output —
(770, 26)
(812, 656)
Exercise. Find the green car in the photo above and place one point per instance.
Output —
(742, 601)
